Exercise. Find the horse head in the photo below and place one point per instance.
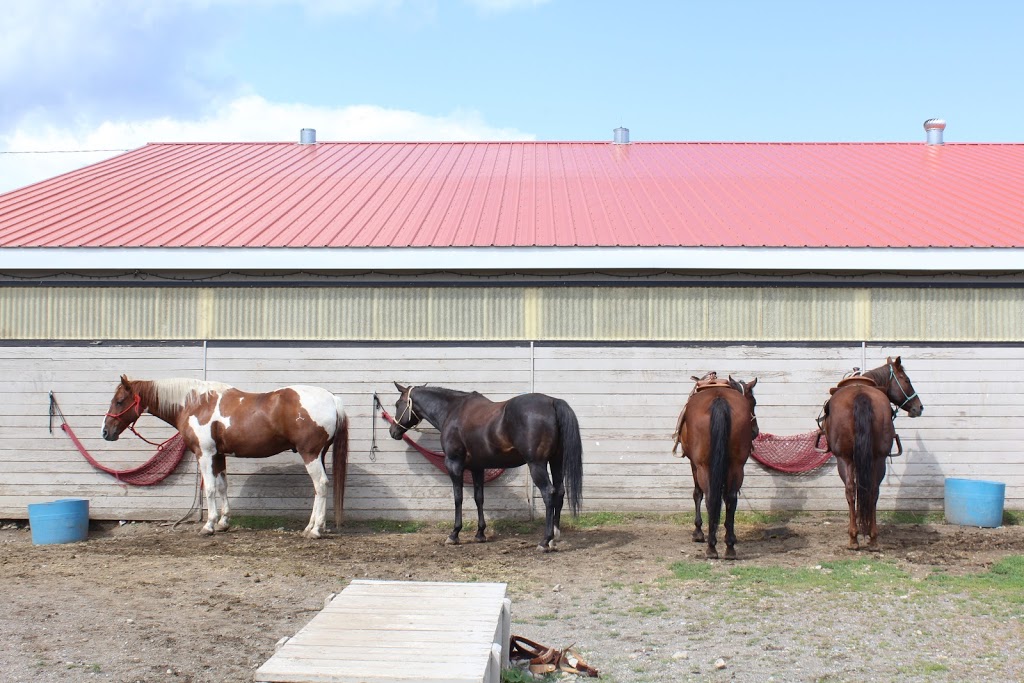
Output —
(124, 410)
(900, 391)
(406, 416)
(746, 389)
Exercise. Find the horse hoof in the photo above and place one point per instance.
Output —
(730, 554)
(222, 527)
(480, 539)
(698, 537)
(206, 531)
(711, 554)
(451, 541)
(543, 548)
(311, 534)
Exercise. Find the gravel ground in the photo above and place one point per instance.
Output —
(143, 602)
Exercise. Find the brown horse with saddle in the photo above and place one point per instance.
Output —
(716, 429)
(858, 424)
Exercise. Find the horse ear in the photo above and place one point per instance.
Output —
(127, 384)
(400, 388)
(751, 383)
(897, 361)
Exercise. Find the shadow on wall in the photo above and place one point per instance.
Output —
(919, 481)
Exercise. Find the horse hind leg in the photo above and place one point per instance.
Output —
(698, 522)
(209, 492)
(318, 517)
(539, 472)
(478, 498)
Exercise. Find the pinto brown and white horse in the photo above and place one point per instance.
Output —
(716, 429)
(217, 420)
(477, 434)
(859, 427)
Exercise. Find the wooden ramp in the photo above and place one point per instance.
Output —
(399, 632)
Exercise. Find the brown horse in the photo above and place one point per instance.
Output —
(477, 434)
(716, 430)
(217, 420)
(859, 426)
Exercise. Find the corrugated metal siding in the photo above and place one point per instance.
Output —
(570, 313)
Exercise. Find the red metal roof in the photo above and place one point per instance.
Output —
(485, 194)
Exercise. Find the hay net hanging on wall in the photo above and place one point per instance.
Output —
(793, 454)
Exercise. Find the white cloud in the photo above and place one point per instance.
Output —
(246, 119)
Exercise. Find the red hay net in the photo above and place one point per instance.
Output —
(793, 454)
(153, 471)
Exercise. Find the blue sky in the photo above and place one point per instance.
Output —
(111, 74)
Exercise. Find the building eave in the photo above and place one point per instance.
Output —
(751, 259)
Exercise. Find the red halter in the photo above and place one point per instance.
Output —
(137, 405)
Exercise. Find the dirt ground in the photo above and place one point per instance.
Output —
(143, 602)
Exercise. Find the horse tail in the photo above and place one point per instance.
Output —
(339, 461)
(572, 453)
(721, 429)
(863, 456)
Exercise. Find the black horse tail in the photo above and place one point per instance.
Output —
(339, 464)
(863, 457)
(721, 429)
(572, 453)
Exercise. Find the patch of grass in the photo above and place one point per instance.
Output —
(393, 526)
(517, 675)
(1004, 581)
(909, 517)
(691, 571)
(1013, 517)
(546, 617)
(264, 522)
(764, 517)
(593, 520)
(516, 526)
(923, 668)
(649, 610)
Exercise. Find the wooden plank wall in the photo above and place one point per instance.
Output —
(627, 399)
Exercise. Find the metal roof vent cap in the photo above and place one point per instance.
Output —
(307, 136)
(621, 136)
(933, 129)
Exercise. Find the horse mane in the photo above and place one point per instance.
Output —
(178, 391)
(446, 392)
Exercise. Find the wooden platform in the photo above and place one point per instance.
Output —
(398, 632)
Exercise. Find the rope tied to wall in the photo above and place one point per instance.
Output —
(168, 456)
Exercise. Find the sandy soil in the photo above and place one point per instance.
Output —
(143, 602)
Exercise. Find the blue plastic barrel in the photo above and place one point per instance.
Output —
(61, 521)
(971, 502)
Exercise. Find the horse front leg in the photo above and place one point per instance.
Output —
(220, 473)
(478, 498)
(318, 517)
(455, 470)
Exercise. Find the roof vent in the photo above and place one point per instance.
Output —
(621, 136)
(307, 136)
(933, 129)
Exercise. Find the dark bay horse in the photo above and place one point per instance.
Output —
(217, 420)
(859, 426)
(716, 430)
(477, 434)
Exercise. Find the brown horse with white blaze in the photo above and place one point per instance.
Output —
(716, 430)
(217, 420)
(858, 424)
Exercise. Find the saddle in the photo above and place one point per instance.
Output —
(708, 381)
(853, 380)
